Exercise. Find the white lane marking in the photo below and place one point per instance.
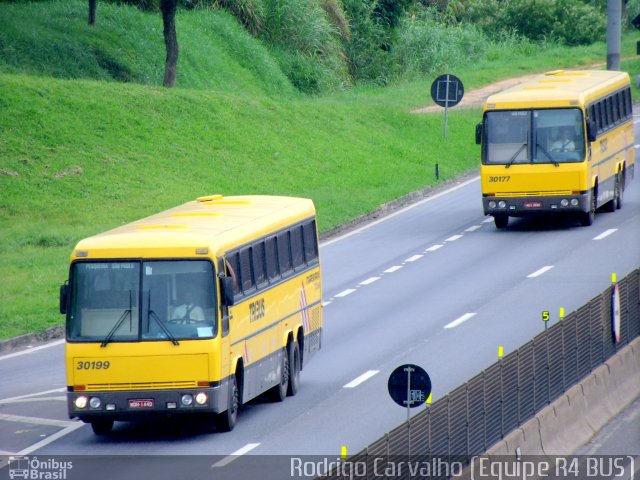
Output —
(453, 238)
(473, 229)
(31, 350)
(36, 420)
(395, 268)
(460, 320)
(370, 280)
(346, 292)
(488, 220)
(29, 395)
(414, 258)
(361, 379)
(537, 273)
(52, 438)
(434, 248)
(401, 211)
(324, 304)
(605, 234)
(234, 456)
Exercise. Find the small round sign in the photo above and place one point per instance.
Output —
(409, 385)
(447, 90)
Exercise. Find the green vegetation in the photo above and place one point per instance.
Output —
(88, 140)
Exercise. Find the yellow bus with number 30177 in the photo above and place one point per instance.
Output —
(561, 143)
(193, 311)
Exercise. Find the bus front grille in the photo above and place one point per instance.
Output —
(142, 385)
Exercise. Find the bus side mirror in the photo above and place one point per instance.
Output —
(592, 130)
(64, 298)
(226, 285)
(478, 134)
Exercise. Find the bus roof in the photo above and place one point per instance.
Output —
(209, 225)
(559, 88)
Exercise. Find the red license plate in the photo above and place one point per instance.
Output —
(532, 204)
(145, 403)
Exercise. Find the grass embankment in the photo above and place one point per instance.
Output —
(80, 156)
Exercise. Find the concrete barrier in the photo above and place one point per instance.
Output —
(573, 419)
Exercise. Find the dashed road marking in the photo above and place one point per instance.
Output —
(346, 292)
(433, 248)
(473, 229)
(370, 280)
(414, 258)
(395, 268)
(605, 234)
(453, 238)
(537, 273)
(361, 379)
(460, 320)
(235, 455)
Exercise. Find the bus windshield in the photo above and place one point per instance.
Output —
(533, 136)
(125, 301)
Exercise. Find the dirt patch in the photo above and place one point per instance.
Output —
(475, 98)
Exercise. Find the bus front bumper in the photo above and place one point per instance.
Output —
(533, 205)
(131, 404)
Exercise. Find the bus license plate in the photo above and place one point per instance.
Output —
(145, 403)
(532, 204)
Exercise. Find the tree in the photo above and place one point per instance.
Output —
(168, 9)
(92, 12)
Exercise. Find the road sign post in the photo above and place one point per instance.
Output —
(447, 91)
(409, 386)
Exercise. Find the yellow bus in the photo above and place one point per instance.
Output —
(562, 142)
(195, 310)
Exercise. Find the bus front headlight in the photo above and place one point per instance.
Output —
(564, 202)
(201, 398)
(186, 400)
(492, 204)
(81, 402)
(95, 402)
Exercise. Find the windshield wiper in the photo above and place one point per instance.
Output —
(118, 324)
(515, 155)
(161, 324)
(164, 328)
(546, 154)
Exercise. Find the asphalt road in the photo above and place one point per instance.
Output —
(435, 284)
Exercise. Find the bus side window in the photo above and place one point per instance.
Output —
(233, 267)
(271, 257)
(310, 242)
(259, 270)
(297, 251)
(246, 276)
(284, 254)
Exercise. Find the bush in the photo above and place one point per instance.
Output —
(425, 46)
(571, 22)
(368, 49)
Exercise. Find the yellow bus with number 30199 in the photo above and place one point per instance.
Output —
(195, 310)
(562, 142)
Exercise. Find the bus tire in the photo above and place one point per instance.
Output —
(589, 216)
(279, 392)
(619, 193)
(101, 426)
(611, 205)
(501, 220)
(227, 419)
(294, 368)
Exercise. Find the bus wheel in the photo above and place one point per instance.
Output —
(501, 220)
(589, 217)
(279, 392)
(102, 426)
(294, 368)
(227, 419)
(619, 190)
